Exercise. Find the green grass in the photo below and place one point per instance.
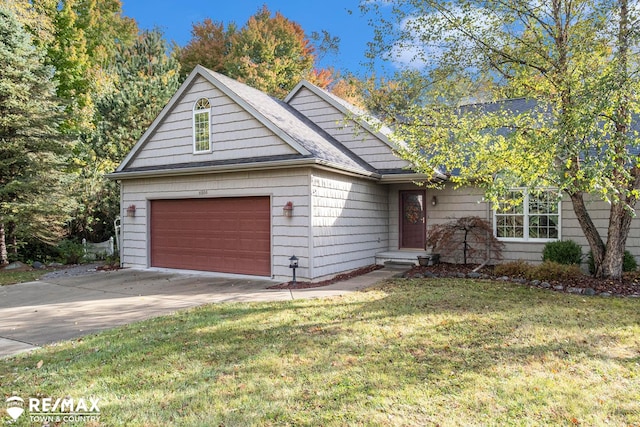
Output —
(446, 352)
(8, 277)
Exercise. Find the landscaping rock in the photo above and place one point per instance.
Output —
(38, 265)
(17, 266)
(629, 286)
(429, 275)
(56, 264)
(418, 276)
(605, 294)
(573, 290)
(520, 281)
(460, 275)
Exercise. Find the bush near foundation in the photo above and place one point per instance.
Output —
(547, 271)
(628, 262)
(563, 252)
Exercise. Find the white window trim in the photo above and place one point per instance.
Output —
(193, 126)
(526, 238)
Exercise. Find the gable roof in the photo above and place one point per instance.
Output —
(312, 144)
(350, 111)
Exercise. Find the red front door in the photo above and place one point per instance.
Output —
(412, 219)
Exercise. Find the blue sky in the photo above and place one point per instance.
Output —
(341, 18)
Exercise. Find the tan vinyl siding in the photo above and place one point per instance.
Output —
(289, 235)
(467, 201)
(349, 222)
(358, 140)
(235, 134)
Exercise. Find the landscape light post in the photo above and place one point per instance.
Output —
(293, 265)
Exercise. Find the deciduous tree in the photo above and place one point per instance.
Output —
(209, 46)
(573, 58)
(270, 53)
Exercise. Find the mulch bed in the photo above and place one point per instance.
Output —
(108, 267)
(338, 278)
(583, 284)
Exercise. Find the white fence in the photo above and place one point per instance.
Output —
(98, 250)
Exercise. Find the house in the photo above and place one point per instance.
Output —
(231, 180)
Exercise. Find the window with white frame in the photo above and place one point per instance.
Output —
(535, 216)
(202, 126)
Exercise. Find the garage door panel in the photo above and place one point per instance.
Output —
(231, 235)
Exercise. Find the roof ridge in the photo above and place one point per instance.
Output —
(288, 128)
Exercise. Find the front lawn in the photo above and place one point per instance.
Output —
(414, 352)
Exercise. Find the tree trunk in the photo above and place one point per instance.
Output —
(3, 246)
(619, 226)
(620, 214)
(598, 248)
(607, 258)
(10, 236)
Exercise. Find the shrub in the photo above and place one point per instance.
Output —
(562, 252)
(36, 250)
(469, 236)
(513, 269)
(628, 262)
(550, 270)
(71, 252)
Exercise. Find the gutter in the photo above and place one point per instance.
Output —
(277, 164)
(412, 177)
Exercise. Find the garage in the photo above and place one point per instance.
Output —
(227, 235)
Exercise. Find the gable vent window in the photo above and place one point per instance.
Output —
(202, 126)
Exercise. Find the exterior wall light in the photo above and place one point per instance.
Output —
(434, 201)
(287, 210)
(131, 210)
(293, 264)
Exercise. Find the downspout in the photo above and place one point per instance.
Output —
(121, 237)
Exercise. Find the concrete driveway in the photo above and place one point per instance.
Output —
(37, 313)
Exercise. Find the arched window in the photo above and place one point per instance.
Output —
(202, 126)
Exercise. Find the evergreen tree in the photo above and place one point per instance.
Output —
(144, 77)
(32, 204)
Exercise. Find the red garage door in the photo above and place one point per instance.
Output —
(229, 235)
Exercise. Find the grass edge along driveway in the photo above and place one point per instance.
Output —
(409, 352)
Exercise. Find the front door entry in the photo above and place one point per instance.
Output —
(412, 219)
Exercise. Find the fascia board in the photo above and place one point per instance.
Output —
(152, 128)
(280, 164)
